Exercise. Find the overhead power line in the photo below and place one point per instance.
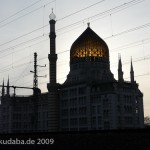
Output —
(24, 35)
(133, 44)
(81, 10)
(117, 8)
(28, 63)
(46, 24)
(26, 14)
(25, 47)
(118, 34)
(19, 11)
(120, 7)
(62, 52)
(18, 45)
(105, 13)
(130, 30)
(140, 75)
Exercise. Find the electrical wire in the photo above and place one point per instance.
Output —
(121, 33)
(20, 11)
(48, 24)
(99, 14)
(112, 66)
(81, 10)
(118, 34)
(26, 14)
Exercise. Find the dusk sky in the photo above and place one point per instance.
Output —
(24, 29)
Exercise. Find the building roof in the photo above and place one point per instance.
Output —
(88, 44)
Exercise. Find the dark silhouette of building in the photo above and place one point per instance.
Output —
(90, 98)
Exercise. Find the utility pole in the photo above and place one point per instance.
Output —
(35, 84)
(35, 79)
(36, 92)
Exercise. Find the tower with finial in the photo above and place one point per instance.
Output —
(8, 88)
(52, 56)
(132, 73)
(3, 89)
(52, 86)
(120, 72)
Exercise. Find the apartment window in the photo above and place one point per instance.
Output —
(94, 121)
(82, 90)
(128, 120)
(65, 93)
(73, 92)
(82, 111)
(128, 109)
(82, 100)
(64, 122)
(73, 111)
(119, 120)
(93, 110)
(73, 102)
(106, 113)
(105, 102)
(82, 121)
(73, 121)
(99, 120)
(98, 109)
(65, 112)
(95, 99)
(106, 125)
(137, 110)
(64, 103)
(118, 109)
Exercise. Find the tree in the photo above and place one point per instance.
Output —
(147, 121)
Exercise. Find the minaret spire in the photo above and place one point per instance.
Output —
(52, 56)
(120, 72)
(132, 72)
(3, 89)
(8, 91)
(53, 114)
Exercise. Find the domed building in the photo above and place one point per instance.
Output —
(91, 98)
(89, 59)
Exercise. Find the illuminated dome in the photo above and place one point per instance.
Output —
(89, 47)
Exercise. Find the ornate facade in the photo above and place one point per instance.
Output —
(90, 98)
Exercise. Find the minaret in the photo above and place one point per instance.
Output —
(52, 56)
(53, 101)
(120, 72)
(132, 73)
(3, 89)
(8, 88)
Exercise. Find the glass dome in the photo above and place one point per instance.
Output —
(88, 45)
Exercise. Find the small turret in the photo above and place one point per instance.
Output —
(120, 72)
(132, 73)
(8, 88)
(3, 89)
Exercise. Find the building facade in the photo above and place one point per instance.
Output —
(90, 98)
(23, 114)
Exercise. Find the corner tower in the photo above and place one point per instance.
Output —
(120, 72)
(132, 73)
